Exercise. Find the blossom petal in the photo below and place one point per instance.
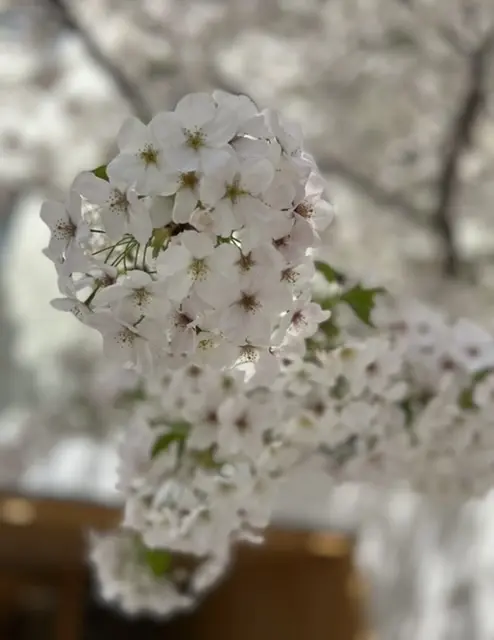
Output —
(93, 189)
(195, 109)
(133, 133)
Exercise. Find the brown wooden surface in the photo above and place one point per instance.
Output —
(298, 585)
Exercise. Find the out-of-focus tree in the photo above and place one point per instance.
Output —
(395, 97)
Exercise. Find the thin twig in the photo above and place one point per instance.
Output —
(126, 88)
(458, 141)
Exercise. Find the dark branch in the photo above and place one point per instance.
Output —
(458, 141)
(375, 192)
(126, 88)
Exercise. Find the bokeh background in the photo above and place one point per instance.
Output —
(396, 99)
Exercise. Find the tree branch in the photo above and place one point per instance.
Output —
(126, 88)
(458, 141)
(375, 192)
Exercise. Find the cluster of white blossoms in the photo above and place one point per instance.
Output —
(192, 244)
(140, 581)
(192, 252)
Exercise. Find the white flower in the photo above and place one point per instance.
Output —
(118, 205)
(122, 342)
(182, 327)
(234, 189)
(314, 207)
(248, 307)
(472, 346)
(134, 296)
(293, 245)
(303, 318)
(197, 132)
(68, 229)
(125, 579)
(243, 422)
(193, 261)
(141, 162)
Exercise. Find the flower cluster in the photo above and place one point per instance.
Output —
(192, 245)
(141, 582)
(192, 252)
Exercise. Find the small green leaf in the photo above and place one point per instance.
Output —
(100, 172)
(160, 236)
(158, 560)
(178, 433)
(362, 301)
(205, 458)
(329, 328)
(465, 399)
(330, 273)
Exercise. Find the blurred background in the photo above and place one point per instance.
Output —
(396, 101)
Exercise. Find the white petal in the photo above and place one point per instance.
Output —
(133, 133)
(115, 223)
(256, 176)
(212, 189)
(184, 159)
(110, 295)
(175, 258)
(161, 211)
(170, 182)
(199, 245)
(195, 109)
(224, 258)
(74, 205)
(53, 212)
(167, 129)
(137, 279)
(140, 226)
(178, 286)
(184, 205)
(126, 168)
(222, 129)
(212, 159)
(94, 189)
(224, 220)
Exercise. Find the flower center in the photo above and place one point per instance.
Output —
(188, 180)
(141, 297)
(182, 320)
(64, 230)
(198, 269)
(242, 423)
(126, 337)
(245, 262)
(248, 353)
(195, 139)
(304, 210)
(298, 319)
(233, 191)
(118, 202)
(289, 275)
(248, 302)
(149, 155)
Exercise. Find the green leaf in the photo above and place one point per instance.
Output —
(465, 399)
(330, 273)
(100, 172)
(160, 236)
(158, 560)
(178, 433)
(362, 301)
(205, 458)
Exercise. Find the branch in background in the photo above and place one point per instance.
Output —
(459, 140)
(126, 88)
(375, 192)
